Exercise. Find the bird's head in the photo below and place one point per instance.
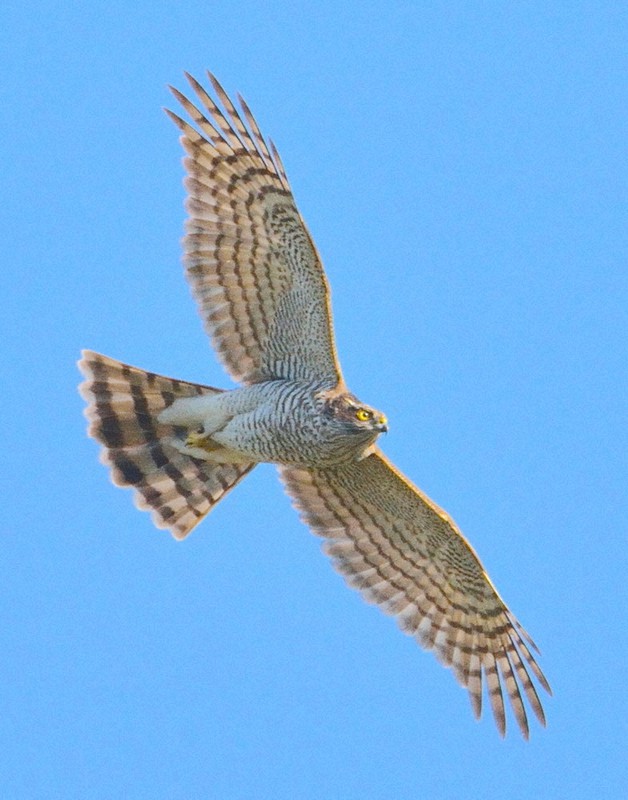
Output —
(355, 417)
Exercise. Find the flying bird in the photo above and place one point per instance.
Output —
(263, 296)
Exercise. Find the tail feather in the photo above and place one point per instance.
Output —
(123, 403)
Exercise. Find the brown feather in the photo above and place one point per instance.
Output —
(123, 403)
(247, 250)
(405, 554)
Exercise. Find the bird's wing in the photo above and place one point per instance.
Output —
(407, 555)
(254, 270)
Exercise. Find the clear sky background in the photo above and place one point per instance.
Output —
(462, 168)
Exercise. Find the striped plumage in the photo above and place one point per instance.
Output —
(263, 297)
(406, 555)
(250, 260)
(123, 405)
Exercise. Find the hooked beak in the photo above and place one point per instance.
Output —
(382, 424)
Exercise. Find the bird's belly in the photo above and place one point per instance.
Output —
(278, 422)
(259, 439)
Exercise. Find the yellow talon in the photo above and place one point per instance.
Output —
(200, 440)
(194, 439)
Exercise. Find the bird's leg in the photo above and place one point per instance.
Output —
(200, 418)
(198, 438)
(202, 446)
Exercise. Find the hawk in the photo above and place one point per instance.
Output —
(264, 299)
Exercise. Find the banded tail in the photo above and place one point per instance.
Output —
(123, 403)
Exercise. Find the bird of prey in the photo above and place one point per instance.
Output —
(263, 296)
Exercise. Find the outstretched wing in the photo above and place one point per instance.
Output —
(405, 554)
(250, 260)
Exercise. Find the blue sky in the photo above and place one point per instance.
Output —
(462, 168)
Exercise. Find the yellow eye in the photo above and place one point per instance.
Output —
(363, 414)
